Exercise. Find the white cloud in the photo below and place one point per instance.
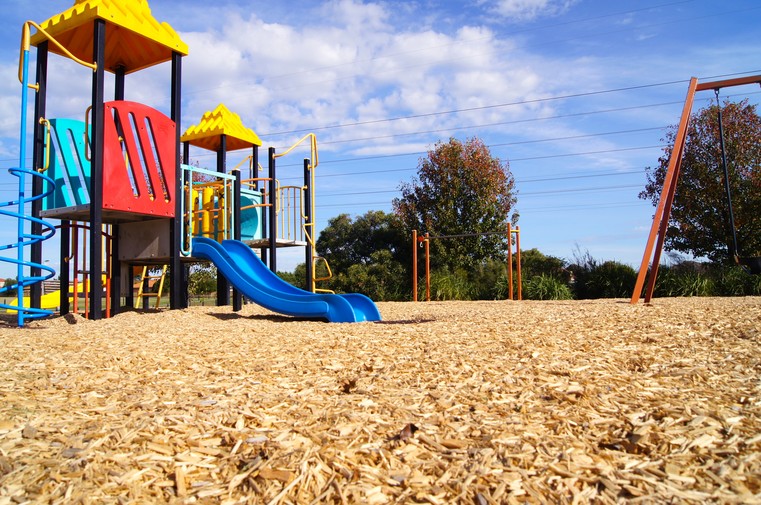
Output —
(9, 105)
(526, 10)
(358, 17)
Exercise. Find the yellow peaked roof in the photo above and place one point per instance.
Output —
(134, 39)
(207, 134)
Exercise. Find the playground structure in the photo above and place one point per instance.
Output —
(120, 172)
(657, 236)
(424, 242)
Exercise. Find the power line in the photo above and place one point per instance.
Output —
(496, 106)
(483, 107)
(592, 189)
(581, 190)
(517, 182)
(556, 208)
(527, 158)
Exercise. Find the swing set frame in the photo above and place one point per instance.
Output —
(654, 248)
(423, 241)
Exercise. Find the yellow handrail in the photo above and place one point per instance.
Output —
(26, 42)
(87, 134)
(315, 279)
(46, 146)
(313, 156)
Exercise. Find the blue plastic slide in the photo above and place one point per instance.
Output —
(238, 263)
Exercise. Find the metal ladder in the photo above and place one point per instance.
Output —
(145, 281)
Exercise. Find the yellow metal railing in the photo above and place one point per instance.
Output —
(307, 229)
(26, 37)
(290, 213)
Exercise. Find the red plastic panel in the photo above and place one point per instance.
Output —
(139, 159)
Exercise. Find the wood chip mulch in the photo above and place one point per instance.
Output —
(445, 402)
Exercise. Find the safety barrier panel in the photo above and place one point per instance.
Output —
(69, 166)
(139, 159)
(207, 206)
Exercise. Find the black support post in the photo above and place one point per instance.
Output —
(255, 166)
(116, 265)
(178, 292)
(38, 161)
(308, 256)
(255, 175)
(273, 210)
(129, 300)
(237, 295)
(223, 287)
(146, 289)
(65, 236)
(96, 175)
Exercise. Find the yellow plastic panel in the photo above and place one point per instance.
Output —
(207, 134)
(134, 39)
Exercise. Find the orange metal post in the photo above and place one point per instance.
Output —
(728, 83)
(518, 260)
(414, 265)
(509, 261)
(427, 269)
(663, 211)
(650, 287)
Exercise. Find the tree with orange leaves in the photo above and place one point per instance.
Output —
(460, 189)
(700, 223)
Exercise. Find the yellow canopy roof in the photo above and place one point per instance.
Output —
(134, 39)
(207, 134)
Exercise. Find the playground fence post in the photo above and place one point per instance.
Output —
(518, 260)
(414, 265)
(427, 268)
(510, 290)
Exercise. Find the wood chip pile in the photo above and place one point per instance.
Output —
(450, 402)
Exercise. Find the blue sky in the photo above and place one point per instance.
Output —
(574, 94)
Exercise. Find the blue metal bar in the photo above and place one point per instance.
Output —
(23, 238)
(21, 184)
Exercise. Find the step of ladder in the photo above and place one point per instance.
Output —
(141, 295)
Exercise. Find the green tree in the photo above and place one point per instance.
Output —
(297, 277)
(202, 279)
(369, 254)
(699, 222)
(460, 188)
(346, 241)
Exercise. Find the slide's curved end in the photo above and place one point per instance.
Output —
(364, 308)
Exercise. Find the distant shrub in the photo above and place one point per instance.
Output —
(546, 287)
(691, 278)
(610, 279)
(683, 282)
(448, 285)
(732, 280)
(488, 281)
(534, 263)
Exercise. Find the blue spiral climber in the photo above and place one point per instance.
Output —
(25, 239)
